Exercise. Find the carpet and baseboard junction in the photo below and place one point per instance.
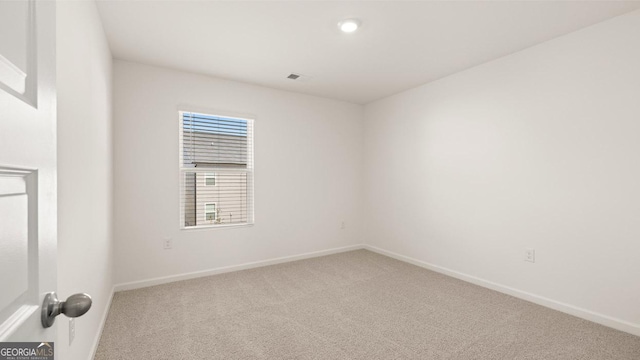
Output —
(351, 305)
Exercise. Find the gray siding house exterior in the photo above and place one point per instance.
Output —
(215, 198)
(217, 192)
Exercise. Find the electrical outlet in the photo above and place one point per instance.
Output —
(530, 255)
(343, 225)
(72, 330)
(167, 243)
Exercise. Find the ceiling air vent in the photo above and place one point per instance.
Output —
(293, 76)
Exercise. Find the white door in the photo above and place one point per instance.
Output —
(27, 167)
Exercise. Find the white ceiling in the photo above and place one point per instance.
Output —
(400, 45)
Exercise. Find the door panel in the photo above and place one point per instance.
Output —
(14, 244)
(18, 246)
(27, 167)
(17, 49)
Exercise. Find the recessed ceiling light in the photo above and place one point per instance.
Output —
(349, 25)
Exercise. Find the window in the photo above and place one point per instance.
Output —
(209, 179)
(210, 212)
(216, 169)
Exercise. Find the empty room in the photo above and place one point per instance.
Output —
(319, 180)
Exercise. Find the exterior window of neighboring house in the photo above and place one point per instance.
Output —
(216, 166)
(210, 212)
(210, 179)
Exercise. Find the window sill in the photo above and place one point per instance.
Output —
(210, 227)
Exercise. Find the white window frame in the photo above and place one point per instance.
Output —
(182, 170)
(215, 211)
(210, 176)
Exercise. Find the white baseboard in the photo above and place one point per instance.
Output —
(105, 313)
(192, 275)
(602, 319)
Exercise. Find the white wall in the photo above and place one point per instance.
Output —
(308, 156)
(84, 171)
(537, 149)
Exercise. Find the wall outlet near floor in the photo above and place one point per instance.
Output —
(530, 255)
(72, 330)
(167, 243)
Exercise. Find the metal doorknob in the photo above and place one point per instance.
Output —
(76, 305)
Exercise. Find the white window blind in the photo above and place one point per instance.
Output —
(216, 165)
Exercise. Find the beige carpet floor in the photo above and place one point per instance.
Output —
(354, 305)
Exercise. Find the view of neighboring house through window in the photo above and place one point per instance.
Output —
(216, 165)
